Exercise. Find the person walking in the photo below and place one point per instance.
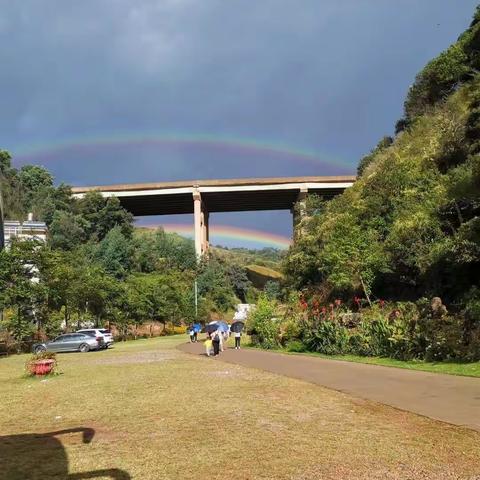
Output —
(238, 336)
(208, 346)
(222, 341)
(216, 342)
(191, 332)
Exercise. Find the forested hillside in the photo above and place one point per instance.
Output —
(392, 266)
(410, 226)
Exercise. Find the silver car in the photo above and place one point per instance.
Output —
(99, 332)
(70, 342)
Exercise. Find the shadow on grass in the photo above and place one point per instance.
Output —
(39, 456)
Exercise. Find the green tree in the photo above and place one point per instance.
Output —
(20, 291)
(33, 178)
(384, 143)
(67, 230)
(11, 188)
(272, 290)
(213, 284)
(239, 281)
(103, 214)
(155, 251)
(114, 252)
(49, 200)
(94, 291)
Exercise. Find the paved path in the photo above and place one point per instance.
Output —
(448, 398)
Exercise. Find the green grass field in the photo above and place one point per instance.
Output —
(157, 413)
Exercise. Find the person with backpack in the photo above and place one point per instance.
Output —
(216, 342)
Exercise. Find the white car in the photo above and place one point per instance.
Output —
(102, 333)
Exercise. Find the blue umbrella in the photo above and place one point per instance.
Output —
(197, 327)
(211, 327)
(222, 326)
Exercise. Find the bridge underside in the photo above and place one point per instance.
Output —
(203, 197)
(179, 203)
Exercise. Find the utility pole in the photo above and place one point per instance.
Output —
(196, 299)
(2, 233)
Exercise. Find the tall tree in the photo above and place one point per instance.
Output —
(102, 214)
(33, 178)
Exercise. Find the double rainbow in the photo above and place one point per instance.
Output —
(226, 232)
(58, 149)
(230, 145)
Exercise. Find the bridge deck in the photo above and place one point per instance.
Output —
(221, 195)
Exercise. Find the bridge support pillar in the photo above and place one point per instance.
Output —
(201, 220)
(299, 211)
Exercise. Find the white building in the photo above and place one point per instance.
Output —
(242, 311)
(28, 230)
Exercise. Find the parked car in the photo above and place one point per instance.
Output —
(103, 333)
(70, 342)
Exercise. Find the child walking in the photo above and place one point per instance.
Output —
(208, 346)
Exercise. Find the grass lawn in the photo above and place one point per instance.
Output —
(157, 413)
(450, 368)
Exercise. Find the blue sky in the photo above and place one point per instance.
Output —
(322, 76)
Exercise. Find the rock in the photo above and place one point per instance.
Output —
(350, 320)
(438, 309)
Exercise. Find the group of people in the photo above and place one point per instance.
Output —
(214, 343)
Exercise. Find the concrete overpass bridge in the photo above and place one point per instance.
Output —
(202, 197)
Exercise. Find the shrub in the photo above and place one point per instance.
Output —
(295, 346)
(438, 79)
(261, 324)
(379, 333)
(289, 330)
(441, 338)
(328, 338)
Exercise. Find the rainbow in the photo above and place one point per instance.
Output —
(59, 149)
(226, 232)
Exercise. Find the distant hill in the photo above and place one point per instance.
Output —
(260, 275)
(266, 257)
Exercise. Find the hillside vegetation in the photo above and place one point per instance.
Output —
(410, 225)
(260, 275)
(391, 267)
(265, 257)
(97, 269)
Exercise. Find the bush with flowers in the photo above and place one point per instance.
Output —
(400, 330)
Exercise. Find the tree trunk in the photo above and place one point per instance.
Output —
(459, 213)
(365, 291)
